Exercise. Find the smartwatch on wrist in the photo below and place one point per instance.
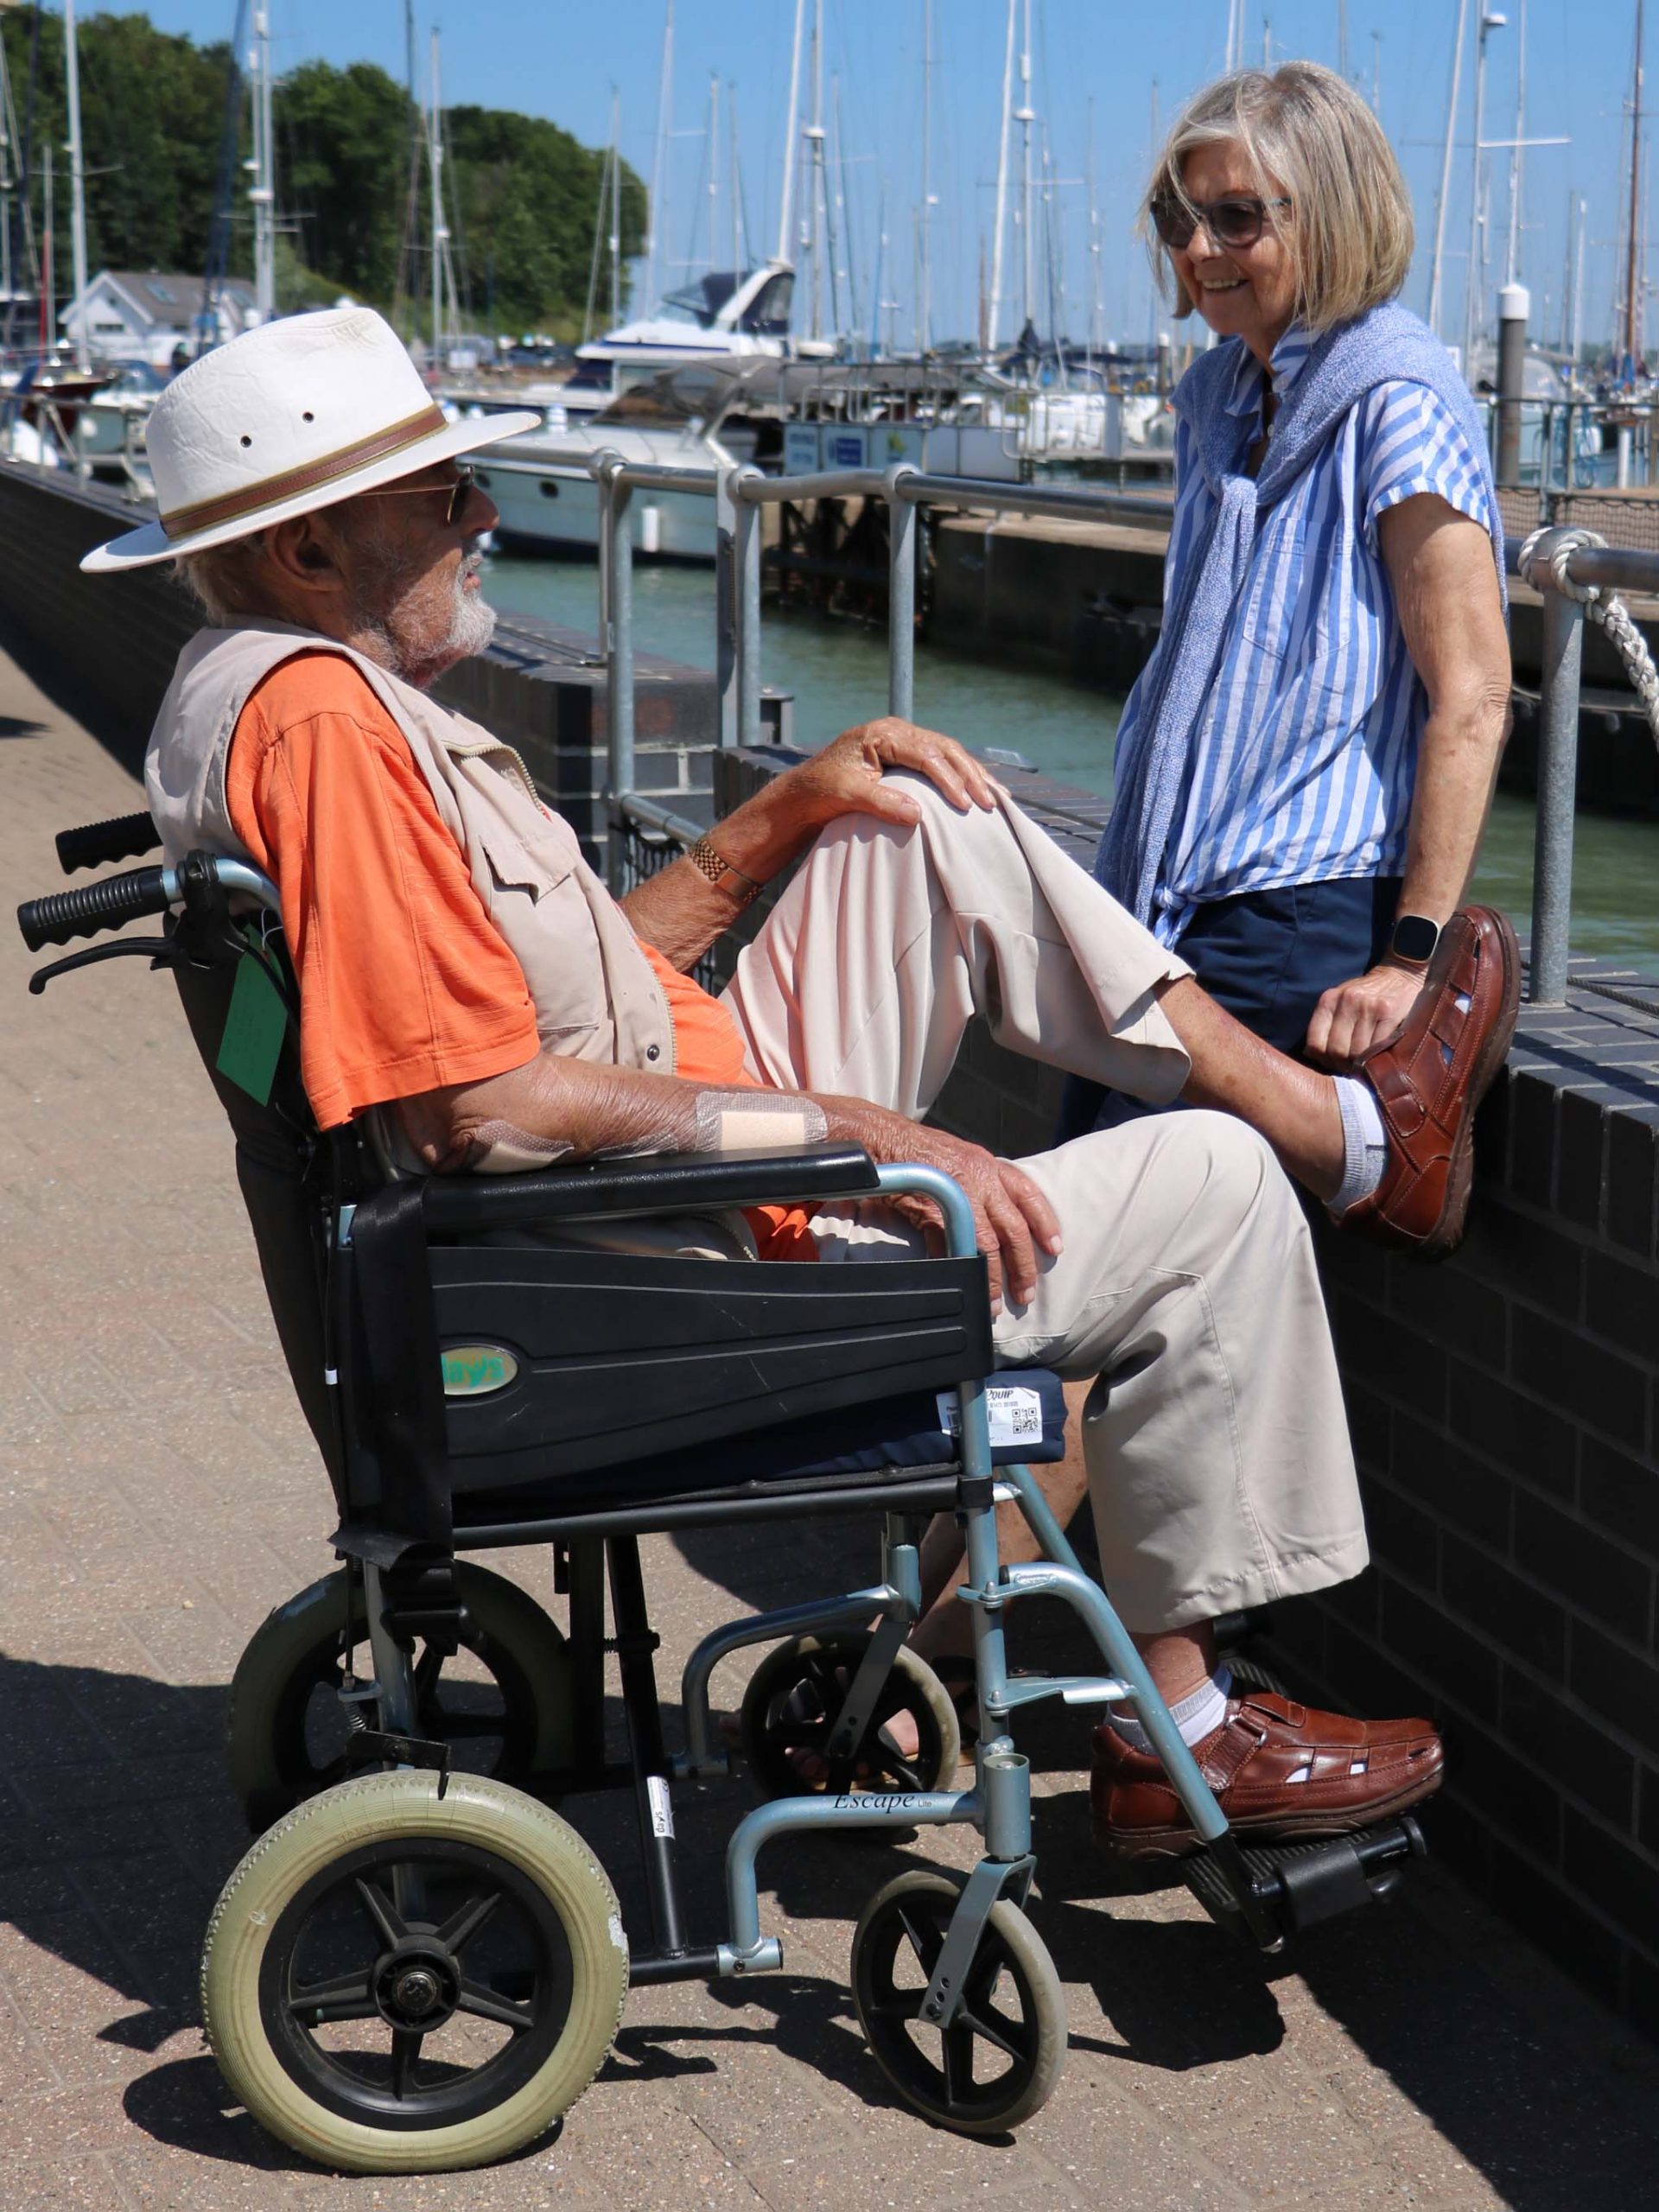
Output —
(1414, 939)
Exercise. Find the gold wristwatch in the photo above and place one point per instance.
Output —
(704, 857)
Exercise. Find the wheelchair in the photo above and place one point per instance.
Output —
(419, 1964)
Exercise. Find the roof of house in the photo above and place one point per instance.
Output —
(167, 297)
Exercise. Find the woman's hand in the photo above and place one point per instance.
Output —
(1367, 1011)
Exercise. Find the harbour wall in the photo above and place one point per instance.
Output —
(110, 644)
(1505, 1415)
(1085, 600)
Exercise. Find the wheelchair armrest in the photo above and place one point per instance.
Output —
(668, 1182)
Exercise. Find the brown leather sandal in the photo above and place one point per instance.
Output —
(1354, 1772)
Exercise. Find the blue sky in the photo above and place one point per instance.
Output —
(1095, 62)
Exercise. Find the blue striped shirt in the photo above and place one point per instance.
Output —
(1306, 750)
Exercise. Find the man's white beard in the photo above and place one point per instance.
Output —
(471, 624)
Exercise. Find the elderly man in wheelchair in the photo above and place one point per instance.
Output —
(524, 1195)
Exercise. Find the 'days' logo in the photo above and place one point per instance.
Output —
(473, 1370)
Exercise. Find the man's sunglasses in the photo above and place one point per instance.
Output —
(1239, 219)
(460, 492)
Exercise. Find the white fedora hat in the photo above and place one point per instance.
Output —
(285, 419)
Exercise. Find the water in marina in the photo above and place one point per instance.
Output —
(838, 674)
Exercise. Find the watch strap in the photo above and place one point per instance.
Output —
(704, 857)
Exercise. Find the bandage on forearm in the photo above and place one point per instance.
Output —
(727, 1122)
(757, 1121)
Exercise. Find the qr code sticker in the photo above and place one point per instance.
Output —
(1015, 1413)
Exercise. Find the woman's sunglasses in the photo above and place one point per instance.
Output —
(1239, 219)
(460, 492)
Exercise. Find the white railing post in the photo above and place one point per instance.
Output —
(616, 629)
(1558, 773)
(901, 594)
(746, 551)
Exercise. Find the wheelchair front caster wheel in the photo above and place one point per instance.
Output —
(790, 1706)
(505, 1702)
(397, 1982)
(999, 2060)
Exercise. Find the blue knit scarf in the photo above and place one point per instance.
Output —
(1387, 345)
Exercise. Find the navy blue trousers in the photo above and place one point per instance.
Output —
(1268, 957)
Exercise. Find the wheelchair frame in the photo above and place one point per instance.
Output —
(405, 1551)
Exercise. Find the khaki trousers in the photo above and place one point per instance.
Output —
(1216, 1441)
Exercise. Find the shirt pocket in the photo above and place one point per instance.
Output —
(536, 899)
(1273, 625)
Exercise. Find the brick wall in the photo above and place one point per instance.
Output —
(1505, 1415)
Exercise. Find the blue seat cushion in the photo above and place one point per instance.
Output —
(1027, 1411)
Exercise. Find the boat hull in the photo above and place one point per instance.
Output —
(556, 511)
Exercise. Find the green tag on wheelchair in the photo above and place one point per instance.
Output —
(254, 1029)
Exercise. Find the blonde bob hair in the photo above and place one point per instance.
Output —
(1308, 136)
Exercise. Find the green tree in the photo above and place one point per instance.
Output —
(342, 159)
(523, 194)
(527, 197)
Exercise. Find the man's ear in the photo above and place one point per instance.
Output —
(304, 555)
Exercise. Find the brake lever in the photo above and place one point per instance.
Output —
(159, 950)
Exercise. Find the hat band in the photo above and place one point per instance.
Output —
(271, 491)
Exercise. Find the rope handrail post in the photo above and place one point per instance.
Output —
(901, 593)
(616, 629)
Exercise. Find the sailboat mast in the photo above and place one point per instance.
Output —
(713, 166)
(1024, 118)
(1632, 250)
(435, 180)
(925, 318)
(1000, 220)
(660, 166)
(77, 186)
(787, 211)
(814, 139)
(262, 196)
(1437, 264)
(1512, 257)
(616, 208)
(740, 244)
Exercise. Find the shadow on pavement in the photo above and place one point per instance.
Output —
(120, 1830)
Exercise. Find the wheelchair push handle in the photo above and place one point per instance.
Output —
(140, 890)
(96, 844)
(62, 915)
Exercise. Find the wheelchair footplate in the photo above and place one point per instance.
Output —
(1265, 1893)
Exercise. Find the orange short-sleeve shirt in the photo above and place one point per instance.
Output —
(405, 983)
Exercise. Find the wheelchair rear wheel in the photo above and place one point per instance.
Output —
(1000, 2058)
(791, 1704)
(397, 1982)
(505, 1703)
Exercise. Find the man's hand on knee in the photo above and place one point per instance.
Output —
(1014, 1219)
(845, 777)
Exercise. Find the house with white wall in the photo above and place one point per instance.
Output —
(144, 315)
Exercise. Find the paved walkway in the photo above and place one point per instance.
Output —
(160, 1494)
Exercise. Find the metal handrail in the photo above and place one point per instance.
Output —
(741, 492)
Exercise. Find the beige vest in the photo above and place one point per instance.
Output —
(595, 995)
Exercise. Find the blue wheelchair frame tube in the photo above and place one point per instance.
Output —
(1061, 1577)
(1000, 1804)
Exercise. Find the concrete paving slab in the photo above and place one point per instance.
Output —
(159, 1492)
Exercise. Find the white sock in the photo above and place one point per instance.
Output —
(1197, 1716)
(1364, 1142)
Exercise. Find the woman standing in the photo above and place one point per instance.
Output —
(1304, 765)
